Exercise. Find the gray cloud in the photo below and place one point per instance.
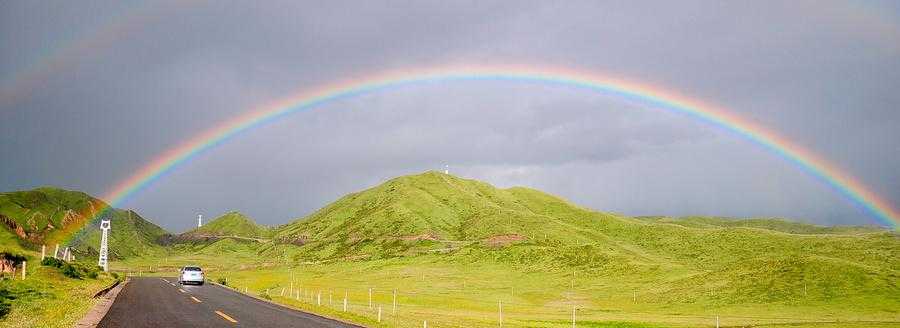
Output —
(822, 74)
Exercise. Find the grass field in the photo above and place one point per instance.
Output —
(48, 298)
(459, 293)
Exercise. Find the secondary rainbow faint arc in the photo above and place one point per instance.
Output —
(652, 96)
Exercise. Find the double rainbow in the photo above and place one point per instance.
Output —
(653, 97)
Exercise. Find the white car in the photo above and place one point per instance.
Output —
(191, 275)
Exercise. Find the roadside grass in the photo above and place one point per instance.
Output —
(457, 292)
(48, 298)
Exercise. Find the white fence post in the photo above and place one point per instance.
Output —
(425, 324)
(345, 301)
(394, 308)
(370, 298)
(24, 266)
(500, 307)
(717, 321)
(319, 298)
(573, 316)
(379, 313)
(43, 252)
(56, 252)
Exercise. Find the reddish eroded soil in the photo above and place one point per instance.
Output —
(503, 240)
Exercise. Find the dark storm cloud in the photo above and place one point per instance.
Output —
(823, 74)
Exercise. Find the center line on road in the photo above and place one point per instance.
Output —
(181, 290)
(223, 315)
(196, 300)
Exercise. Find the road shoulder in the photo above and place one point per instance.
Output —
(93, 317)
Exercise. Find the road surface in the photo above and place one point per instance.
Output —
(162, 302)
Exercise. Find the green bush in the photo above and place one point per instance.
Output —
(71, 271)
(222, 281)
(5, 305)
(52, 261)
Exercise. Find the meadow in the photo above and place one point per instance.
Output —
(466, 293)
(49, 297)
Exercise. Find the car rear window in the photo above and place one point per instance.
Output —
(192, 269)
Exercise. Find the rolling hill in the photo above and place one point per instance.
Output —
(454, 220)
(49, 216)
(230, 225)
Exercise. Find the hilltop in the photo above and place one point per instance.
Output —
(229, 225)
(47, 216)
(432, 207)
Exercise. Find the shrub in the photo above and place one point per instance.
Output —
(5, 305)
(70, 271)
(222, 281)
(51, 261)
(114, 275)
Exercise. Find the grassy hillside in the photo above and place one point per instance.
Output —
(431, 211)
(130, 235)
(541, 252)
(762, 223)
(46, 215)
(50, 215)
(231, 224)
(50, 296)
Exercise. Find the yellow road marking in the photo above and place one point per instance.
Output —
(196, 300)
(223, 315)
(181, 290)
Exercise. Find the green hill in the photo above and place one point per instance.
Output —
(50, 215)
(231, 224)
(45, 215)
(467, 221)
(130, 235)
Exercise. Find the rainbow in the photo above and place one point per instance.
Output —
(653, 97)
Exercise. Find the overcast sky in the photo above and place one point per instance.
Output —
(92, 91)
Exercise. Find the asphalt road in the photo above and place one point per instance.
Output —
(162, 302)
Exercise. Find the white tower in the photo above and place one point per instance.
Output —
(104, 245)
(446, 169)
(199, 220)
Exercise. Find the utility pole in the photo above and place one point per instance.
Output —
(103, 261)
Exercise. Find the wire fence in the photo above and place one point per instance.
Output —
(398, 308)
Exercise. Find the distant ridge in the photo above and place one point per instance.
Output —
(233, 225)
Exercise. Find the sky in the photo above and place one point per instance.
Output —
(92, 91)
